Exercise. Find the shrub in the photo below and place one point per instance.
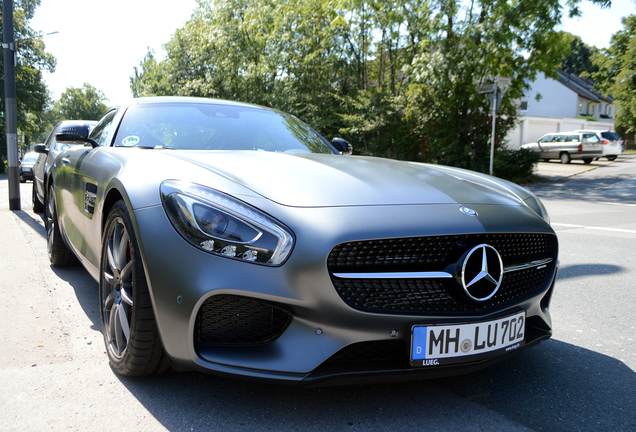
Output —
(515, 165)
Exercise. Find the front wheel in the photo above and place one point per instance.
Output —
(587, 161)
(59, 254)
(128, 323)
(611, 158)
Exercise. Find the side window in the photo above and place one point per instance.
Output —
(573, 138)
(558, 138)
(100, 131)
(546, 138)
(591, 138)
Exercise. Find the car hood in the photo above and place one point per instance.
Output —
(318, 180)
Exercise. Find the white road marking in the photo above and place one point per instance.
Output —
(594, 228)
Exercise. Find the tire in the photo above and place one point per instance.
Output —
(129, 328)
(59, 254)
(565, 158)
(38, 206)
(611, 158)
(587, 161)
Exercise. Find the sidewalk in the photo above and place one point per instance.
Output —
(25, 193)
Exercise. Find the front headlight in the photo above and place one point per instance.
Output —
(222, 225)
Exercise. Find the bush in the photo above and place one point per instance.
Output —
(515, 165)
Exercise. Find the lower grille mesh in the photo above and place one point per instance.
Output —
(236, 321)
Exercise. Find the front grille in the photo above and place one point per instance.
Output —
(435, 296)
(237, 321)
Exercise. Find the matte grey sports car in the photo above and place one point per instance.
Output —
(233, 239)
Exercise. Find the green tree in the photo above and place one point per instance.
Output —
(31, 93)
(400, 78)
(579, 60)
(617, 72)
(85, 103)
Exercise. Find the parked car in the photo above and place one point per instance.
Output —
(233, 239)
(612, 144)
(567, 146)
(47, 153)
(26, 166)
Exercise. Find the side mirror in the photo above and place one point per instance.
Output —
(342, 146)
(75, 135)
(40, 148)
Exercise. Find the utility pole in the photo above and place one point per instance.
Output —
(10, 105)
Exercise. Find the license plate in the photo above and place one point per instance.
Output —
(438, 345)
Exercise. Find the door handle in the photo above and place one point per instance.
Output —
(65, 161)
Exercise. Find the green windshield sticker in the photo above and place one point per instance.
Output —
(130, 141)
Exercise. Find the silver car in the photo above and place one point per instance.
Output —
(233, 239)
(612, 144)
(567, 146)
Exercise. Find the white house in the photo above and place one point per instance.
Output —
(559, 102)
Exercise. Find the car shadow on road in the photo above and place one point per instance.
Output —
(582, 270)
(555, 386)
(611, 189)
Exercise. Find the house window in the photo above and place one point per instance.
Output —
(593, 110)
(524, 106)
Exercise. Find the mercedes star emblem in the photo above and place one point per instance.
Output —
(482, 272)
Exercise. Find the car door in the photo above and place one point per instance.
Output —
(542, 144)
(77, 190)
(555, 146)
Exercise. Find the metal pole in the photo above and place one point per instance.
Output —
(492, 135)
(10, 107)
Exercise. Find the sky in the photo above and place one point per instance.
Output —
(100, 42)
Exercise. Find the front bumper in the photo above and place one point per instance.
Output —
(324, 337)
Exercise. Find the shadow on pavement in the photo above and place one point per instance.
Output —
(554, 387)
(607, 189)
(593, 269)
(557, 387)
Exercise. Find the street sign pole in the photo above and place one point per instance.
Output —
(10, 106)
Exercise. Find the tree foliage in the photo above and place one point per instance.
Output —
(617, 72)
(31, 92)
(580, 58)
(85, 103)
(396, 78)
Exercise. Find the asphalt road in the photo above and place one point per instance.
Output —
(54, 374)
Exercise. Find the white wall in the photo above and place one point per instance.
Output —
(556, 99)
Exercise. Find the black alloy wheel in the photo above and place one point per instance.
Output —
(59, 254)
(128, 324)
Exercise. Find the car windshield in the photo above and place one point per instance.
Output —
(28, 158)
(192, 126)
